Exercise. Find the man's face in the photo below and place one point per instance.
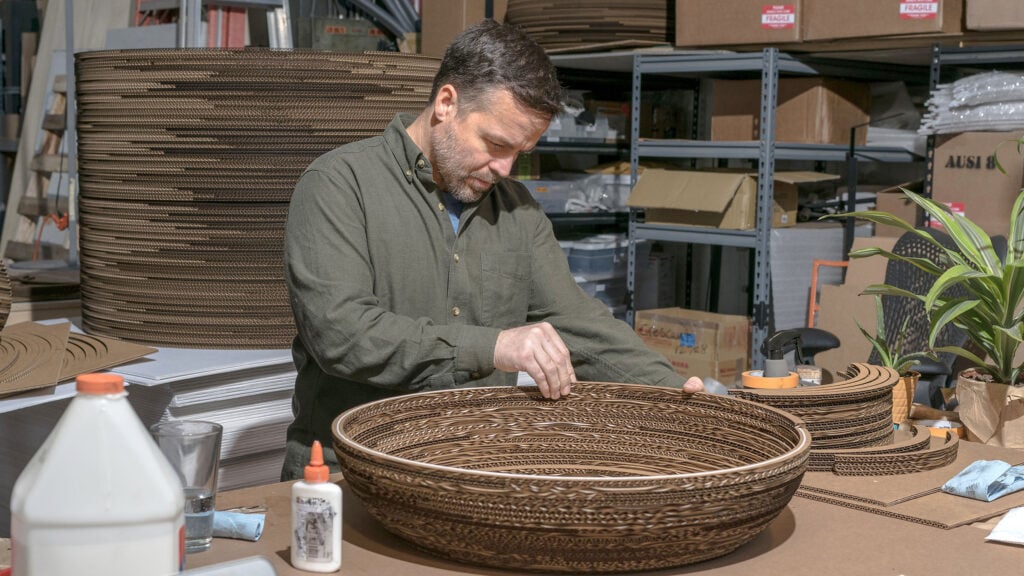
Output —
(475, 149)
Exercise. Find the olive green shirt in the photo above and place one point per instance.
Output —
(388, 299)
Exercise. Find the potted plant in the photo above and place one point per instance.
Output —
(891, 354)
(990, 393)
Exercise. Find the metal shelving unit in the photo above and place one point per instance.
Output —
(769, 64)
(958, 57)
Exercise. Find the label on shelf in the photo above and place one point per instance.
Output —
(778, 16)
(919, 9)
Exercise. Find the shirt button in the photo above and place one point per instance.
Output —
(440, 206)
(456, 311)
(420, 163)
(474, 375)
(456, 257)
(408, 173)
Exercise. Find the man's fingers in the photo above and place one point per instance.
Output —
(538, 350)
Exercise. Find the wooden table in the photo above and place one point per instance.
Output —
(808, 538)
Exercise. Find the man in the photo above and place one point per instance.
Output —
(414, 264)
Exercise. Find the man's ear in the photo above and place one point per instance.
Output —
(445, 103)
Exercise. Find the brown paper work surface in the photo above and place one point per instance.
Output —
(808, 538)
(891, 490)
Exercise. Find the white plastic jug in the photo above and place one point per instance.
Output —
(98, 497)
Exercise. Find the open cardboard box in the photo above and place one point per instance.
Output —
(717, 199)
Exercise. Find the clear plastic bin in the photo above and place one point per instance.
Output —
(612, 291)
(599, 257)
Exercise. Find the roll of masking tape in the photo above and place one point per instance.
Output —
(940, 427)
(757, 379)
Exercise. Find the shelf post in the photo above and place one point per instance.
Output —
(634, 167)
(765, 203)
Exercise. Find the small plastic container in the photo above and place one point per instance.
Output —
(599, 257)
(612, 291)
(316, 518)
(98, 497)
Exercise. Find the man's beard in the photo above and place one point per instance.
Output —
(447, 154)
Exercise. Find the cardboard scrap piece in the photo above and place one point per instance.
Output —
(31, 355)
(34, 356)
(937, 509)
(892, 490)
(916, 497)
(89, 353)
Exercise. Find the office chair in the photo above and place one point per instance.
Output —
(935, 374)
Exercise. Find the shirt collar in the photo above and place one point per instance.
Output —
(408, 155)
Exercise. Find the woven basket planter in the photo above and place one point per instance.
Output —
(614, 478)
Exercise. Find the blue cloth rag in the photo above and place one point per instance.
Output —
(237, 525)
(986, 480)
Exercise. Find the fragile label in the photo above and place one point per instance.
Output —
(919, 9)
(778, 16)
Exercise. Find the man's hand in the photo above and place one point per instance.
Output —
(538, 350)
(693, 384)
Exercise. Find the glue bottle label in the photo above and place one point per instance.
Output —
(314, 522)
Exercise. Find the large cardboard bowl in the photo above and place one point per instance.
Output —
(613, 478)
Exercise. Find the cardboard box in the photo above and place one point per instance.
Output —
(833, 19)
(893, 201)
(965, 172)
(716, 199)
(737, 22)
(442, 20)
(698, 343)
(841, 307)
(812, 110)
(995, 15)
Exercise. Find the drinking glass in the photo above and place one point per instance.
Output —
(193, 449)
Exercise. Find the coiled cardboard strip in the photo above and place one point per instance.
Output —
(851, 425)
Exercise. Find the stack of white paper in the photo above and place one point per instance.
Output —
(248, 392)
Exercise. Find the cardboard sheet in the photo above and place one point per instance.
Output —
(34, 356)
(937, 509)
(31, 356)
(916, 497)
(886, 491)
(86, 353)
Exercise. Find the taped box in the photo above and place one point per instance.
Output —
(737, 22)
(988, 15)
(814, 110)
(835, 19)
(698, 343)
(725, 200)
(966, 176)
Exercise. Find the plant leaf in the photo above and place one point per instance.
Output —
(947, 313)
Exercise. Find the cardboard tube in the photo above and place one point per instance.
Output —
(756, 379)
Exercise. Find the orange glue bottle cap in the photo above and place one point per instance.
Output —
(316, 472)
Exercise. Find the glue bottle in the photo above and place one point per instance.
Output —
(98, 497)
(316, 518)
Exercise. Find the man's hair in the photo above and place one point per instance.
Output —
(489, 56)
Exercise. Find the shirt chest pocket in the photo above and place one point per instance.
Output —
(506, 288)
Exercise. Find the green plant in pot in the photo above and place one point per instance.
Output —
(990, 394)
(891, 353)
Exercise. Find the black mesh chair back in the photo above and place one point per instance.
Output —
(898, 309)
